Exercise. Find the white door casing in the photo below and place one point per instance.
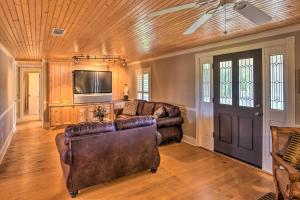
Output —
(205, 127)
(285, 46)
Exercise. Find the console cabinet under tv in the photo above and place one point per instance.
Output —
(61, 115)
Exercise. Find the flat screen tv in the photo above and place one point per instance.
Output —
(92, 82)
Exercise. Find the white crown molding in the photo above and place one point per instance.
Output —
(2, 48)
(269, 33)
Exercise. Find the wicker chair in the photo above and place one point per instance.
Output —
(287, 178)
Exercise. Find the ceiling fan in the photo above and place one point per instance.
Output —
(243, 7)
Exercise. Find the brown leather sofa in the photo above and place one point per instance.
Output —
(169, 126)
(95, 152)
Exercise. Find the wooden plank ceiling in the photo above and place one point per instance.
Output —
(121, 27)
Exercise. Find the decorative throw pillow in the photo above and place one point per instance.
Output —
(160, 112)
(130, 108)
(292, 155)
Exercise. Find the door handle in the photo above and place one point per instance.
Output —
(257, 114)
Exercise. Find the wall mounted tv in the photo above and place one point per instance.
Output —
(92, 82)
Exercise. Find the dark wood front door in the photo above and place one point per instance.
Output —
(238, 105)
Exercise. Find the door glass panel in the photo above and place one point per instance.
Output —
(206, 82)
(226, 82)
(276, 82)
(246, 95)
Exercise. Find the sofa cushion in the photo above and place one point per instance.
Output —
(125, 116)
(292, 154)
(134, 122)
(169, 121)
(173, 111)
(140, 106)
(159, 113)
(87, 128)
(130, 108)
(148, 108)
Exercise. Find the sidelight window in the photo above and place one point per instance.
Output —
(226, 82)
(246, 83)
(277, 82)
(206, 83)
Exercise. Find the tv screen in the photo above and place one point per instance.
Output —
(89, 82)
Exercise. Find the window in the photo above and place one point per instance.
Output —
(226, 82)
(276, 82)
(246, 88)
(143, 84)
(206, 83)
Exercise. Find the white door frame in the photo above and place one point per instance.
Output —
(289, 43)
(27, 69)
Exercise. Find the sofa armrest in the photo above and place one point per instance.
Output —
(118, 111)
(63, 149)
(294, 175)
(158, 138)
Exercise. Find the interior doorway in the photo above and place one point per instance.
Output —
(30, 98)
(32, 95)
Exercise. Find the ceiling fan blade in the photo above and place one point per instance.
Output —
(173, 9)
(252, 13)
(204, 18)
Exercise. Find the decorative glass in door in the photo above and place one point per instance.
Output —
(226, 82)
(246, 95)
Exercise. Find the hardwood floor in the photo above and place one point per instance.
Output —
(31, 170)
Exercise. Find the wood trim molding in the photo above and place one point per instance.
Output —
(6, 111)
(5, 51)
(6, 145)
(237, 40)
(189, 140)
(8, 139)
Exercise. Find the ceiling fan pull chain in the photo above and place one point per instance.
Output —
(225, 8)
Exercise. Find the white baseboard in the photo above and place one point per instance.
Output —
(189, 140)
(6, 144)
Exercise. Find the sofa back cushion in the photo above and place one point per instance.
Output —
(173, 111)
(140, 107)
(87, 128)
(148, 108)
(130, 108)
(135, 122)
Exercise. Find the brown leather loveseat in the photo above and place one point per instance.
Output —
(169, 125)
(97, 152)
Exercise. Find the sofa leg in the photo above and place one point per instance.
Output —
(74, 194)
(178, 140)
(153, 170)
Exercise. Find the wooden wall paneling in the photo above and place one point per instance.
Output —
(60, 83)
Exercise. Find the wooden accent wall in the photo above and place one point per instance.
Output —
(60, 82)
